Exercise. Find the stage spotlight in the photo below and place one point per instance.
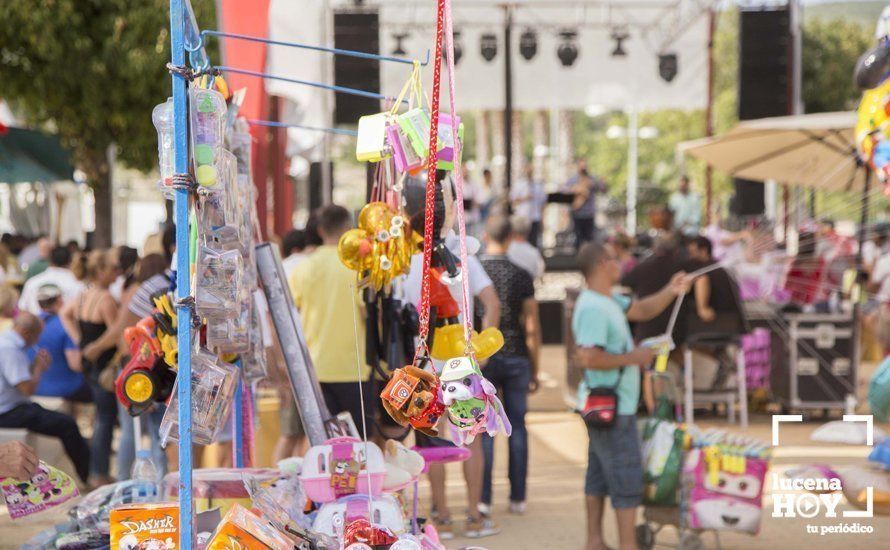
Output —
(619, 36)
(488, 46)
(668, 66)
(458, 48)
(399, 50)
(528, 44)
(567, 52)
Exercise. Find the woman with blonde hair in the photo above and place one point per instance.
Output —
(87, 318)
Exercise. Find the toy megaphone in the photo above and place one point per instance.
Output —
(448, 342)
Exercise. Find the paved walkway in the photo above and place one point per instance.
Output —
(555, 515)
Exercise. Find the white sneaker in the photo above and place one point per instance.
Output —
(445, 529)
(485, 527)
(484, 509)
(517, 507)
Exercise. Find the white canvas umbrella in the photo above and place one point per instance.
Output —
(813, 150)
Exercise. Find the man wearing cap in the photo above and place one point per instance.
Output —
(63, 378)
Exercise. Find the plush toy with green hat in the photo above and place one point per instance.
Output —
(472, 401)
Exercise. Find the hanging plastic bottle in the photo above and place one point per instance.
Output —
(162, 118)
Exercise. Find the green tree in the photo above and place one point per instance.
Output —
(830, 50)
(91, 71)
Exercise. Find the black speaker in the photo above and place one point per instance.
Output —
(359, 31)
(748, 199)
(317, 196)
(765, 61)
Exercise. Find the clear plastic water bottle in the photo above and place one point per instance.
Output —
(146, 478)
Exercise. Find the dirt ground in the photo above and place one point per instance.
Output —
(555, 517)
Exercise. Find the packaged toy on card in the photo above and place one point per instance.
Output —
(207, 109)
(472, 401)
(48, 487)
(725, 485)
(340, 467)
(411, 397)
(217, 281)
(145, 526)
(213, 390)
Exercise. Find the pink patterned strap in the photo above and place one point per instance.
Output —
(458, 180)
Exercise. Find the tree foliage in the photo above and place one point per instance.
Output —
(91, 71)
(830, 50)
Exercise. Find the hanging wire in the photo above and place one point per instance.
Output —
(334, 88)
(274, 124)
(335, 51)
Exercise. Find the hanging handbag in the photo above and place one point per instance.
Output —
(601, 407)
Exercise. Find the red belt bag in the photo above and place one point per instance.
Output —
(601, 407)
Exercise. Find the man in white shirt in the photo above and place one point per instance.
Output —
(520, 251)
(528, 199)
(56, 274)
(19, 378)
(685, 205)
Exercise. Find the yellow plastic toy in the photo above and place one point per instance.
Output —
(448, 342)
(380, 247)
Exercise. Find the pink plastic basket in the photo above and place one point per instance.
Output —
(316, 474)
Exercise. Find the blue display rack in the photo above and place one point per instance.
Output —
(187, 40)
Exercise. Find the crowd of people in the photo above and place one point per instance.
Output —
(61, 336)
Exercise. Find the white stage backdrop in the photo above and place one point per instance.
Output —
(596, 79)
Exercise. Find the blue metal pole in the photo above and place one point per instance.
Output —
(339, 89)
(238, 442)
(274, 124)
(181, 212)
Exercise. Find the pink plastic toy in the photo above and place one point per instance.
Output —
(442, 455)
(339, 467)
(722, 500)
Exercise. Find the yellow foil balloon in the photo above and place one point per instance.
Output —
(354, 249)
(448, 342)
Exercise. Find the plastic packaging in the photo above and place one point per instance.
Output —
(207, 109)
(386, 512)
(217, 282)
(219, 215)
(231, 335)
(162, 118)
(213, 390)
(249, 530)
(339, 467)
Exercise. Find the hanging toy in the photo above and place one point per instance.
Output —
(411, 397)
(872, 131)
(472, 401)
(381, 245)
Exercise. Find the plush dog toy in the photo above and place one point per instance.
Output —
(411, 399)
(472, 401)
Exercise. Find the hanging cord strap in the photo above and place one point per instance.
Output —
(458, 182)
(430, 199)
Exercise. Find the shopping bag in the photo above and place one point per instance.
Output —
(663, 443)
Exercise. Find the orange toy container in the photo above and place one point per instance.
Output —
(145, 526)
(242, 529)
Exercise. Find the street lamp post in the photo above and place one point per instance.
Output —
(633, 133)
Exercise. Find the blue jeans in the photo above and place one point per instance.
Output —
(511, 375)
(126, 449)
(103, 429)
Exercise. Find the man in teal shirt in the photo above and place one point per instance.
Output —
(606, 351)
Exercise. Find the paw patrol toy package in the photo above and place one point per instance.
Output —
(152, 526)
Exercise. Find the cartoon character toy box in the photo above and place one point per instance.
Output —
(152, 526)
